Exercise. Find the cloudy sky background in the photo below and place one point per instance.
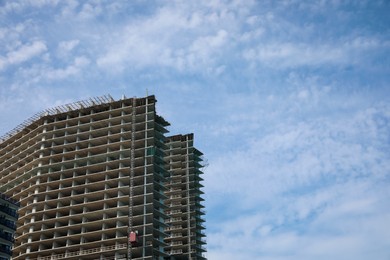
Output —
(289, 101)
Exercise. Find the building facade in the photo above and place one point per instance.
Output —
(186, 237)
(92, 179)
(8, 218)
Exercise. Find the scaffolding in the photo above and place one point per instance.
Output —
(95, 101)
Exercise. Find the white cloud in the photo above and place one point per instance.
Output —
(205, 34)
(57, 74)
(90, 10)
(339, 222)
(26, 52)
(42, 3)
(19, 5)
(67, 46)
(23, 53)
(41, 74)
(303, 153)
(305, 189)
(202, 44)
(10, 6)
(291, 55)
(278, 54)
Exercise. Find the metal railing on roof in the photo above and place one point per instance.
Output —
(58, 110)
(84, 252)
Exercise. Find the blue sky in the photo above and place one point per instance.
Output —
(289, 101)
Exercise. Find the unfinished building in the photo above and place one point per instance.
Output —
(94, 180)
(186, 237)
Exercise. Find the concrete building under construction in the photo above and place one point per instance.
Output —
(99, 179)
(186, 237)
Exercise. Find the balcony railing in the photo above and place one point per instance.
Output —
(175, 252)
(177, 243)
(172, 220)
(84, 252)
(176, 235)
(176, 211)
(172, 228)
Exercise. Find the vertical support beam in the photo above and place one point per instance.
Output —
(131, 184)
(188, 198)
(145, 180)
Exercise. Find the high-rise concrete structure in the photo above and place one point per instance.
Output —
(93, 180)
(8, 217)
(186, 238)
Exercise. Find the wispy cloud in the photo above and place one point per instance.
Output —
(67, 46)
(46, 73)
(154, 42)
(305, 54)
(300, 180)
(23, 53)
(20, 5)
